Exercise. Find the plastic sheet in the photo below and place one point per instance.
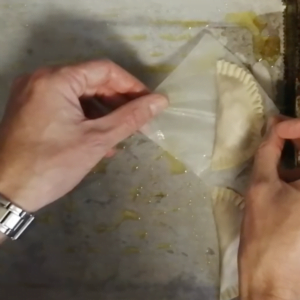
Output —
(187, 128)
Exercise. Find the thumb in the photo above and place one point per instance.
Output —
(268, 155)
(289, 129)
(129, 118)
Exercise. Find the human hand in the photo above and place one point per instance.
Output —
(269, 261)
(47, 144)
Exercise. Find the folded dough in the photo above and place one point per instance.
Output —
(228, 210)
(240, 117)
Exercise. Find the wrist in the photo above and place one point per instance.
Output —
(271, 295)
(20, 196)
(271, 290)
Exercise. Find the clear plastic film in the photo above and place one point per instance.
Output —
(187, 128)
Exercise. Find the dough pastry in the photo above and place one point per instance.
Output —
(228, 211)
(240, 117)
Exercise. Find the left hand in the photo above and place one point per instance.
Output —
(47, 144)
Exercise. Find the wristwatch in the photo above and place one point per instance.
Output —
(13, 219)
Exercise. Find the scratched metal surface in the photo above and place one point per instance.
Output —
(78, 248)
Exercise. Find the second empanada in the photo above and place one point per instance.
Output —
(228, 212)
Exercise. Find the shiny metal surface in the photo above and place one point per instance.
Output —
(13, 220)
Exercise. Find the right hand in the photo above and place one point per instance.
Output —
(269, 258)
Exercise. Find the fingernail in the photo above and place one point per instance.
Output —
(158, 103)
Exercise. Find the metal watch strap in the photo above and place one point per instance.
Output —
(13, 219)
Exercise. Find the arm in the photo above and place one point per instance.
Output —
(269, 258)
(47, 145)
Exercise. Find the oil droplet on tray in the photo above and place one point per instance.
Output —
(156, 54)
(160, 196)
(175, 38)
(164, 246)
(137, 37)
(131, 250)
(130, 215)
(162, 224)
(136, 193)
(176, 209)
(134, 168)
(103, 228)
(70, 206)
(247, 20)
(142, 235)
(100, 168)
(176, 166)
(127, 215)
(182, 23)
(266, 47)
(93, 250)
(121, 146)
(160, 68)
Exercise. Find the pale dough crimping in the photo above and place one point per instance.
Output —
(240, 117)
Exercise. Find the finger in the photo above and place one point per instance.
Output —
(289, 129)
(88, 79)
(111, 98)
(282, 118)
(268, 155)
(129, 118)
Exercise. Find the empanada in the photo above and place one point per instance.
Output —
(240, 117)
(228, 211)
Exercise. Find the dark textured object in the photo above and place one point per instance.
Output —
(291, 72)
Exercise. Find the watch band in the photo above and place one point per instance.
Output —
(13, 219)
